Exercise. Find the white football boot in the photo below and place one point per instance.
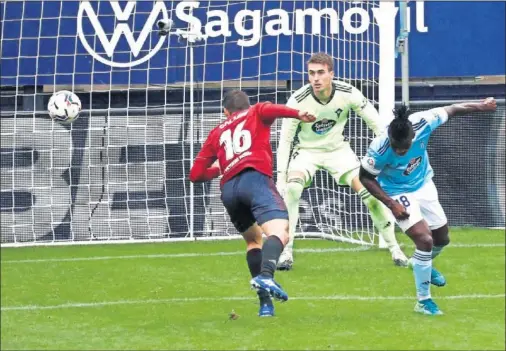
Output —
(285, 261)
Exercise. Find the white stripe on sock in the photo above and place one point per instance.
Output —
(422, 258)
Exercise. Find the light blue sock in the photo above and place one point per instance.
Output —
(436, 250)
(422, 266)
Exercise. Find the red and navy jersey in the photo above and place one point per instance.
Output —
(241, 142)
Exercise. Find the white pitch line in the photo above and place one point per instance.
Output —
(225, 253)
(235, 298)
(476, 245)
(175, 255)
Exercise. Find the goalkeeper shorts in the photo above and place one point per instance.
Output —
(338, 163)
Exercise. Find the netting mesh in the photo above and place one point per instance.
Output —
(468, 157)
(120, 171)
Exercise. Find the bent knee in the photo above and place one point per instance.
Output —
(441, 236)
(284, 237)
(425, 241)
(277, 227)
(295, 185)
(253, 236)
(294, 190)
(251, 245)
(297, 177)
(442, 241)
(446, 241)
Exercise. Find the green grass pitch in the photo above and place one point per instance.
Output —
(179, 296)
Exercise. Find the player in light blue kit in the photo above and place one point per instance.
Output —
(396, 170)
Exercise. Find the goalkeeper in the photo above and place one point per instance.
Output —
(321, 145)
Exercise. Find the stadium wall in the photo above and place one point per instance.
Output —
(29, 44)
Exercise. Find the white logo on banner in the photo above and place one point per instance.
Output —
(121, 29)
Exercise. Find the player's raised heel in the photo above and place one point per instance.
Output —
(428, 307)
(266, 310)
(269, 285)
(436, 278)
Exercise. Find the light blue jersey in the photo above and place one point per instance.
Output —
(404, 174)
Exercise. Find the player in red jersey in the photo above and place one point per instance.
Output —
(242, 147)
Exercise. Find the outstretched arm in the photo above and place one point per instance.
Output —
(269, 112)
(292, 117)
(369, 181)
(488, 104)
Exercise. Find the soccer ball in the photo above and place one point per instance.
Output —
(64, 106)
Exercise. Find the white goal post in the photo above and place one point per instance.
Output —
(119, 173)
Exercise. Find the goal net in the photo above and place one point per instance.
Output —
(120, 171)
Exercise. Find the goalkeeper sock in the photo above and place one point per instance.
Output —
(381, 217)
(293, 192)
(436, 250)
(270, 255)
(422, 267)
(254, 259)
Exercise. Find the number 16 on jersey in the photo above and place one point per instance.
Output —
(236, 143)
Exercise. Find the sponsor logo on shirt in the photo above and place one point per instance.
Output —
(236, 161)
(412, 165)
(322, 127)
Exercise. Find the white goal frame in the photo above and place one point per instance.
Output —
(197, 128)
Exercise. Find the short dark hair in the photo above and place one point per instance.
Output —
(400, 128)
(236, 100)
(322, 59)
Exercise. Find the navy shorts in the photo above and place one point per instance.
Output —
(251, 197)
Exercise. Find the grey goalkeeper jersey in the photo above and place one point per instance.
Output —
(326, 133)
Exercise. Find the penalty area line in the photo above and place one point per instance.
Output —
(236, 298)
